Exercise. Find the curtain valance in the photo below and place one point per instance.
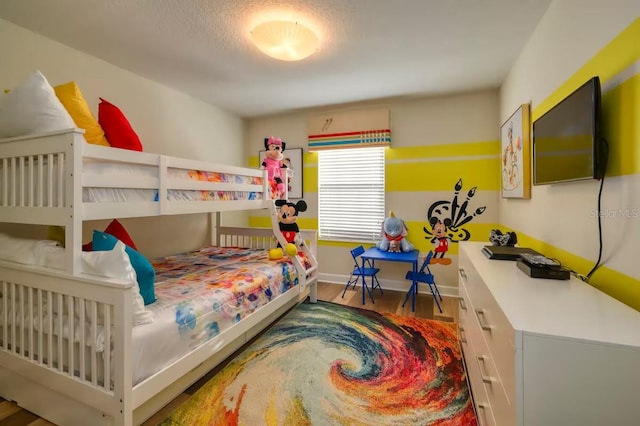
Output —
(350, 129)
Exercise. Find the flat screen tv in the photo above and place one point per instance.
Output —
(567, 140)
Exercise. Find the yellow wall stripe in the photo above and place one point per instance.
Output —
(310, 180)
(310, 159)
(253, 162)
(437, 176)
(444, 150)
(619, 54)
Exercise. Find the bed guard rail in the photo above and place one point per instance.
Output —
(268, 238)
(75, 329)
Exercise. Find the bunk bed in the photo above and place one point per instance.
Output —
(88, 369)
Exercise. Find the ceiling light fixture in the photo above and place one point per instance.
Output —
(285, 40)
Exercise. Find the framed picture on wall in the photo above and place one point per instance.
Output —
(293, 160)
(515, 154)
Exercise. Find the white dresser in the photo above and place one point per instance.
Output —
(545, 352)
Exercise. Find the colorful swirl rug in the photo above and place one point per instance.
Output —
(327, 364)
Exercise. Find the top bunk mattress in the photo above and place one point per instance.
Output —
(94, 170)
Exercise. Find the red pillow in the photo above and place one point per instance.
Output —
(117, 128)
(116, 229)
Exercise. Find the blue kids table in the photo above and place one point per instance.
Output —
(375, 253)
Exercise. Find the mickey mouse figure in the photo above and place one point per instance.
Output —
(440, 240)
(287, 218)
(273, 164)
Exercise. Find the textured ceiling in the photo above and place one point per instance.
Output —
(370, 49)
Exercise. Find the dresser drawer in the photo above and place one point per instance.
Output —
(465, 312)
(496, 330)
(502, 408)
(479, 359)
(481, 403)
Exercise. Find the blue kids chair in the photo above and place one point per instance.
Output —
(424, 275)
(363, 271)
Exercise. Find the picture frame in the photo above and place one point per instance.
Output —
(292, 156)
(515, 154)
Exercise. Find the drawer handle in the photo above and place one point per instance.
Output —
(486, 379)
(462, 273)
(484, 406)
(480, 313)
(463, 304)
(463, 337)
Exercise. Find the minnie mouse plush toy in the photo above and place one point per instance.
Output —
(274, 165)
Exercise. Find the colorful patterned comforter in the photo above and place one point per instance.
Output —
(200, 294)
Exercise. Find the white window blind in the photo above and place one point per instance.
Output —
(351, 194)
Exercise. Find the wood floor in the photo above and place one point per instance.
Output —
(390, 301)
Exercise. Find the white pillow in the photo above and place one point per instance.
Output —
(116, 264)
(21, 250)
(32, 107)
(111, 264)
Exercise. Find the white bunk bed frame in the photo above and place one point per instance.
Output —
(45, 372)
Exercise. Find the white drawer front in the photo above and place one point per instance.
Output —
(481, 361)
(465, 312)
(481, 403)
(495, 328)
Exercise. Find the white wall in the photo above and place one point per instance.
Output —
(569, 36)
(167, 121)
(415, 121)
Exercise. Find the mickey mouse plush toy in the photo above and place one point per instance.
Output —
(287, 218)
(273, 164)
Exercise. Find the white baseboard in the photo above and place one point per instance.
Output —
(391, 285)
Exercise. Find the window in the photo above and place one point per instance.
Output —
(351, 194)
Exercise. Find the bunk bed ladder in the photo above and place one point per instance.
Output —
(308, 274)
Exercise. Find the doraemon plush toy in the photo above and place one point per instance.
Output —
(394, 232)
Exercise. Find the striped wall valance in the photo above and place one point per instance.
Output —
(350, 129)
(364, 138)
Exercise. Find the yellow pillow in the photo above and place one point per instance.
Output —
(7, 90)
(56, 233)
(73, 101)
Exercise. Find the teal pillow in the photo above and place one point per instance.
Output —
(144, 270)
